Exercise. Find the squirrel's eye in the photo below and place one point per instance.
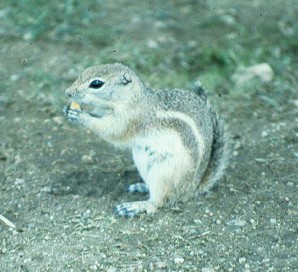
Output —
(96, 84)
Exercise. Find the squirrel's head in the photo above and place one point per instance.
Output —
(106, 85)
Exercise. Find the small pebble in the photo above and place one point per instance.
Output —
(236, 222)
(59, 120)
(208, 269)
(273, 221)
(152, 44)
(28, 36)
(161, 265)
(252, 221)
(47, 189)
(179, 260)
(19, 181)
(87, 159)
(209, 213)
(260, 160)
(14, 77)
(242, 260)
(17, 119)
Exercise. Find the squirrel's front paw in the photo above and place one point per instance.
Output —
(72, 114)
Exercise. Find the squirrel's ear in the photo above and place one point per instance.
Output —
(126, 78)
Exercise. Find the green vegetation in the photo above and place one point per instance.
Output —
(180, 41)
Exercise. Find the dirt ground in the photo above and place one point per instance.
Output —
(59, 184)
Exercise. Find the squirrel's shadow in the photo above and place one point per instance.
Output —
(93, 183)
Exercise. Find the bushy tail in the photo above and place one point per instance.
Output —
(219, 157)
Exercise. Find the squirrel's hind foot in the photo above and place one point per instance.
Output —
(132, 209)
(138, 187)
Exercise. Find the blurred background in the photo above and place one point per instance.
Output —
(46, 44)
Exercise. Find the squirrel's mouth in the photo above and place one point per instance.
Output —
(81, 106)
(91, 109)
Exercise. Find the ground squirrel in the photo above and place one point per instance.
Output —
(177, 141)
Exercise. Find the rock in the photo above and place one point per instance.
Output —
(242, 260)
(152, 44)
(260, 160)
(295, 102)
(236, 222)
(14, 77)
(273, 221)
(179, 260)
(59, 120)
(262, 71)
(161, 265)
(208, 269)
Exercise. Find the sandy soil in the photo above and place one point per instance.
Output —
(59, 185)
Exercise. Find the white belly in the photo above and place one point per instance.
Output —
(159, 148)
